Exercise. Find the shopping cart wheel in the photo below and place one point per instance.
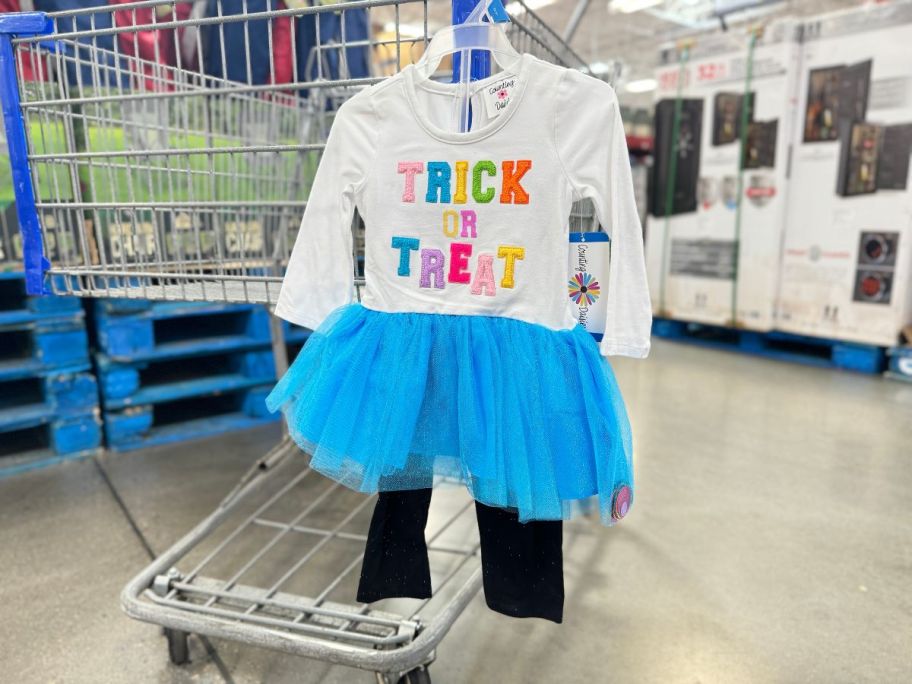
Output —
(419, 675)
(178, 646)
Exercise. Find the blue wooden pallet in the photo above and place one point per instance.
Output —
(38, 346)
(150, 308)
(177, 421)
(295, 337)
(900, 363)
(59, 439)
(167, 330)
(29, 402)
(295, 334)
(781, 346)
(136, 383)
(17, 307)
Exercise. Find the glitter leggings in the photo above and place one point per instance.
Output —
(522, 563)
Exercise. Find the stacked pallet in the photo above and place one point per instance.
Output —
(48, 395)
(295, 337)
(813, 351)
(900, 363)
(170, 371)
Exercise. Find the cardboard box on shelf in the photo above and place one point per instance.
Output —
(701, 267)
(847, 251)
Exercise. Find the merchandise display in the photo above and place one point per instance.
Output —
(877, 252)
(78, 66)
(846, 256)
(687, 148)
(761, 149)
(727, 113)
(254, 61)
(893, 160)
(315, 53)
(836, 95)
(859, 148)
(715, 258)
(153, 49)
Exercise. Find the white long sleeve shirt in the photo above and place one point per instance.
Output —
(472, 223)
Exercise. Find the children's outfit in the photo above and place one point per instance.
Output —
(463, 357)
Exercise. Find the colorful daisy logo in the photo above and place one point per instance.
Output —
(583, 289)
(502, 94)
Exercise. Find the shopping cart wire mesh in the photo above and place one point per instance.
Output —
(172, 145)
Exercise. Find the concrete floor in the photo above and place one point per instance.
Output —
(771, 541)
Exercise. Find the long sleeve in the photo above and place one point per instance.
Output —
(320, 275)
(592, 147)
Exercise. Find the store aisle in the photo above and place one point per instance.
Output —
(771, 497)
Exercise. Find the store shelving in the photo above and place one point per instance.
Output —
(48, 396)
(175, 371)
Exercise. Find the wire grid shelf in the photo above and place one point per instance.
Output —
(173, 152)
(301, 536)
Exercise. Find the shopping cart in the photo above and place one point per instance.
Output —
(167, 148)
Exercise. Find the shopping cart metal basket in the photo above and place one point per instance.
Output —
(164, 151)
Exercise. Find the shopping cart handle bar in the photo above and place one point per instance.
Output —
(22, 23)
(26, 23)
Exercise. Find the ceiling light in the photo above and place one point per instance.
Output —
(630, 6)
(406, 30)
(600, 68)
(515, 8)
(643, 85)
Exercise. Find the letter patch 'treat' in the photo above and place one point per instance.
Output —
(447, 183)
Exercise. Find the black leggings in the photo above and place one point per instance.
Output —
(522, 563)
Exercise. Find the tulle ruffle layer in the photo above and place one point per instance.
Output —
(527, 417)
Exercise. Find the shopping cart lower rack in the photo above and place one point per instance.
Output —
(249, 572)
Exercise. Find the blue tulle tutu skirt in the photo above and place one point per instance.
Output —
(527, 417)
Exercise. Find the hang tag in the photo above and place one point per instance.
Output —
(498, 95)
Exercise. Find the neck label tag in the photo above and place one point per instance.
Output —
(498, 95)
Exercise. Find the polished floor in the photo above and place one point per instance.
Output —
(771, 541)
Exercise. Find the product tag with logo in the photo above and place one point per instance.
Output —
(498, 95)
